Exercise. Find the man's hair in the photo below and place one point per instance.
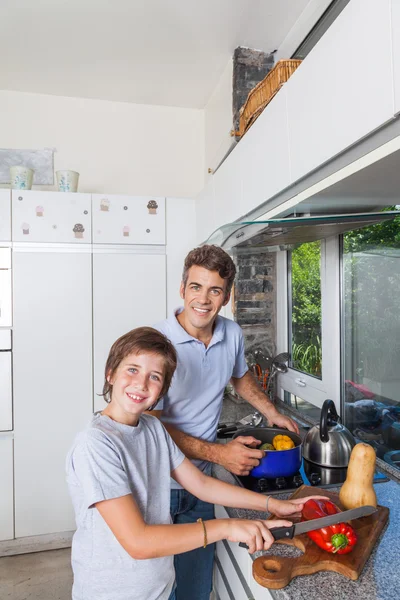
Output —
(212, 258)
(143, 340)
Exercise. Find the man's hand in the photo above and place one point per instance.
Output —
(239, 457)
(276, 418)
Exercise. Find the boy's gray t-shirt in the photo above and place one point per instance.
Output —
(109, 460)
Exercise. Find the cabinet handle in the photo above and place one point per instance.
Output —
(300, 382)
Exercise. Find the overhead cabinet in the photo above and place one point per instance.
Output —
(5, 216)
(51, 217)
(128, 219)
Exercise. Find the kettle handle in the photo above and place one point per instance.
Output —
(328, 416)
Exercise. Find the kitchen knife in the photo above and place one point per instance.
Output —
(288, 533)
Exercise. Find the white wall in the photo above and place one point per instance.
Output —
(218, 120)
(116, 147)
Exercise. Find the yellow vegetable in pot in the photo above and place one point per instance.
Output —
(282, 442)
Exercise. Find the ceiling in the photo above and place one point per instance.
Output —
(143, 51)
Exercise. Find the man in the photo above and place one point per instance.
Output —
(210, 353)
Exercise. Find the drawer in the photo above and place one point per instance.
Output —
(5, 391)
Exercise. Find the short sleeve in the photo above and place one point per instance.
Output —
(176, 456)
(240, 367)
(98, 469)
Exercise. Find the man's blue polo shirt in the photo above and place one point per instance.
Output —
(194, 401)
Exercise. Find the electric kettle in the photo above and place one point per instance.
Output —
(328, 444)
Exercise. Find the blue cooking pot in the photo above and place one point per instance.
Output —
(276, 463)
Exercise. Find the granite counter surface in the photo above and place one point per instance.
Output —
(380, 579)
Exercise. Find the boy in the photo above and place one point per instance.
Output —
(118, 473)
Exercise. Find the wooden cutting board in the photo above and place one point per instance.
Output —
(276, 572)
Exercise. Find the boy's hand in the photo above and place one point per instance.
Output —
(255, 534)
(290, 508)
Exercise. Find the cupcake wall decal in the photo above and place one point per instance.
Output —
(152, 206)
(25, 228)
(126, 231)
(78, 231)
(39, 211)
(104, 205)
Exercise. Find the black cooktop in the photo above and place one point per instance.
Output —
(309, 474)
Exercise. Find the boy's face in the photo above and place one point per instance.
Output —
(137, 385)
(204, 295)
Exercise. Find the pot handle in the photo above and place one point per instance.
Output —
(328, 417)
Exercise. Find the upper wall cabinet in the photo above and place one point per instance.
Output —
(205, 212)
(396, 53)
(54, 217)
(128, 219)
(228, 189)
(265, 155)
(343, 90)
(5, 216)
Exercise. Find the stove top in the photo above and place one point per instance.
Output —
(309, 474)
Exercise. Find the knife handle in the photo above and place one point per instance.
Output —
(278, 533)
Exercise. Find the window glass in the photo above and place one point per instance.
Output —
(305, 308)
(371, 330)
(306, 408)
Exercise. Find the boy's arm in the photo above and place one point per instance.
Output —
(238, 456)
(143, 541)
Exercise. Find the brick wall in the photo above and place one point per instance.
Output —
(255, 300)
(249, 68)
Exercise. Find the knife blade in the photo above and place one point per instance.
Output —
(288, 533)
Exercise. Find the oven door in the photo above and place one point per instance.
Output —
(5, 381)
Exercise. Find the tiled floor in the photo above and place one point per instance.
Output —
(39, 576)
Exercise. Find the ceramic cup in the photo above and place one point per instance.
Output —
(21, 178)
(67, 181)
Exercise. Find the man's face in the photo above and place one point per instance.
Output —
(204, 295)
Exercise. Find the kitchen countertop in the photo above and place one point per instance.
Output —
(380, 579)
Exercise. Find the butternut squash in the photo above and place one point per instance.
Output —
(358, 490)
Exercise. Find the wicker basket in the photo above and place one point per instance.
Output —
(264, 91)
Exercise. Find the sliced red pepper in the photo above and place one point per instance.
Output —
(337, 539)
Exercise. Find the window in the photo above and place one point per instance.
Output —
(305, 309)
(371, 336)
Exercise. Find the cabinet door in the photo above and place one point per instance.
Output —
(205, 212)
(129, 291)
(5, 391)
(5, 215)
(6, 494)
(128, 219)
(52, 380)
(51, 217)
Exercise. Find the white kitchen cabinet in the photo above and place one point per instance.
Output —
(342, 91)
(396, 53)
(5, 215)
(205, 212)
(128, 292)
(128, 219)
(5, 390)
(6, 493)
(181, 235)
(265, 163)
(52, 379)
(228, 189)
(51, 217)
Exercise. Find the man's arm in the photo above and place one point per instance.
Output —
(238, 456)
(248, 389)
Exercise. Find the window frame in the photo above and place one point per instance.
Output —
(314, 390)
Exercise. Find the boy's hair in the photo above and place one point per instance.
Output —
(212, 258)
(138, 341)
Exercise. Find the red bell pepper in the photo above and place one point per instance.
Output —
(337, 539)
